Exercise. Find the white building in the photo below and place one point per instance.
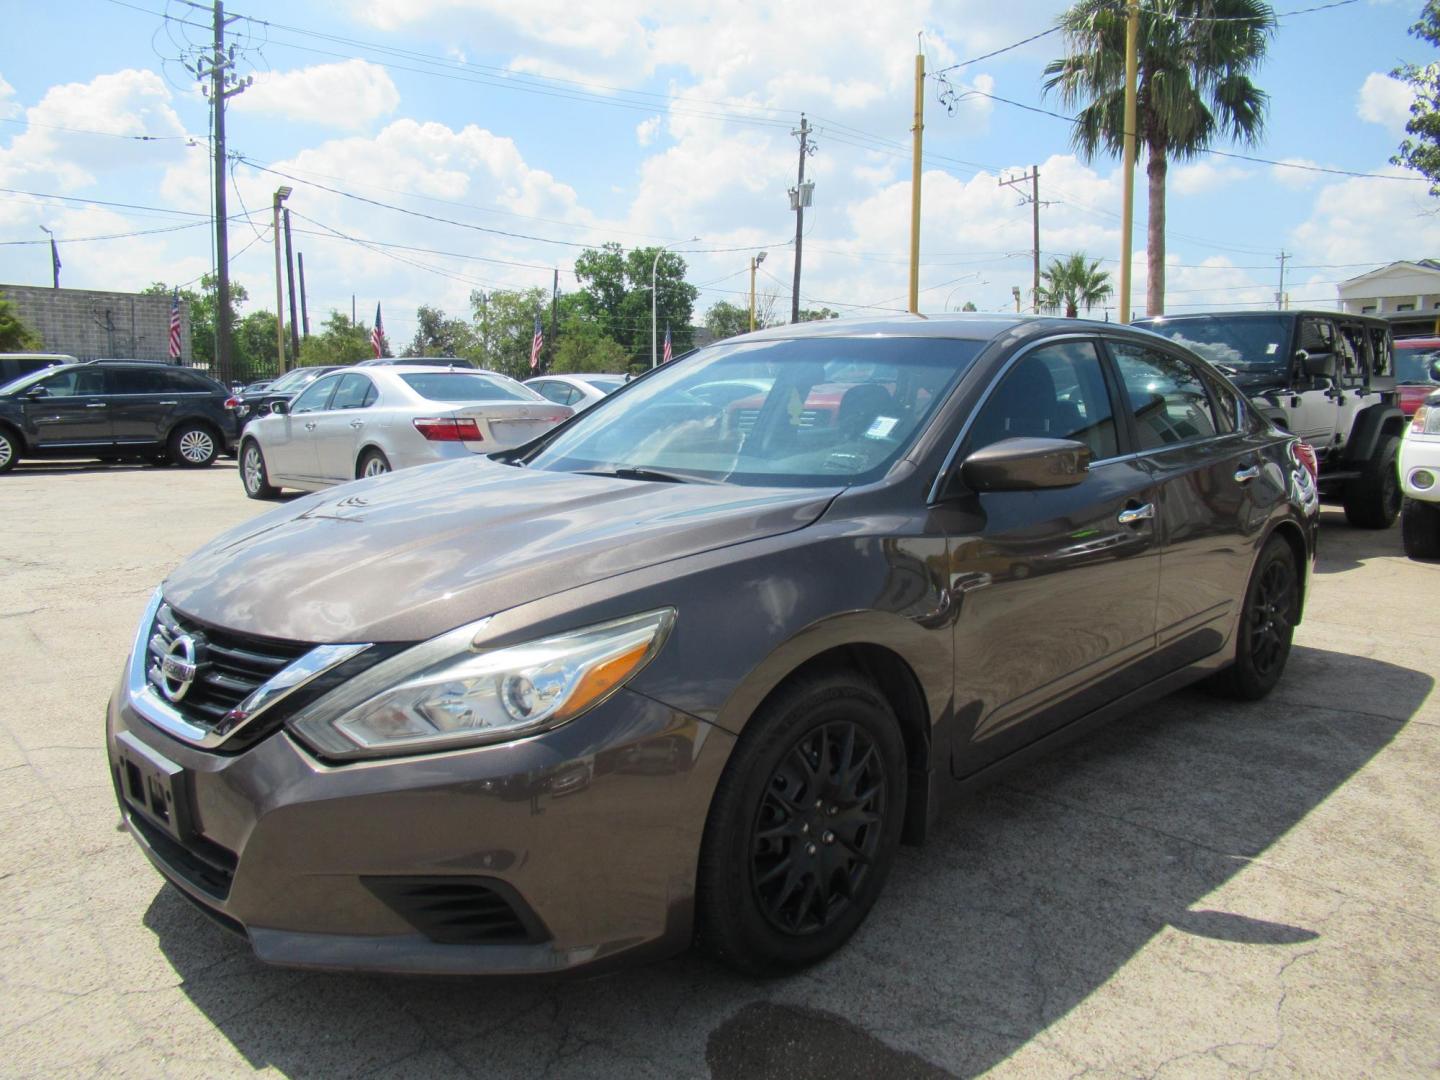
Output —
(1399, 287)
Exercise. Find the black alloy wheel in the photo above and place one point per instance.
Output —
(1267, 625)
(804, 825)
(818, 828)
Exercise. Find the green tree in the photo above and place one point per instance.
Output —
(725, 319)
(506, 327)
(583, 346)
(817, 314)
(15, 335)
(1195, 62)
(1421, 150)
(255, 343)
(615, 295)
(435, 335)
(1072, 283)
(340, 341)
(203, 308)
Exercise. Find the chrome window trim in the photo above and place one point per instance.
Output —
(141, 696)
(949, 463)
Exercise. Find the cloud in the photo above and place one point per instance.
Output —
(350, 94)
(8, 108)
(1296, 178)
(647, 129)
(1384, 101)
(1204, 176)
(1368, 220)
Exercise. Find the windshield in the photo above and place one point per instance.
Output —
(1248, 344)
(294, 380)
(462, 386)
(16, 385)
(793, 412)
(1416, 364)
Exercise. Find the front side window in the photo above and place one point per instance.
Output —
(75, 382)
(1054, 392)
(317, 397)
(1167, 396)
(791, 412)
(554, 391)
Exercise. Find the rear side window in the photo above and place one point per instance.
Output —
(464, 386)
(1167, 396)
(355, 392)
(1054, 392)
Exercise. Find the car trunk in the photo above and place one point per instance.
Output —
(505, 424)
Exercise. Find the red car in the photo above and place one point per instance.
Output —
(1417, 371)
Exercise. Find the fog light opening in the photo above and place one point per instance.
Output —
(1422, 479)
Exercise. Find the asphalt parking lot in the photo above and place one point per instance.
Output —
(1201, 890)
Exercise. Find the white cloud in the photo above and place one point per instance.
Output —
(1367, 220)
(8, 108)
(1204, 176)
(647, 129)
(1296, 178)
(1384, 101)
(350, 94)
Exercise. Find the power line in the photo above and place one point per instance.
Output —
(107, 236)
(1277, 16)
(104, 202)
(91, 131)
(1008, 48)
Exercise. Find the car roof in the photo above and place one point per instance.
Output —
(971, 326)
(1263, 313)
(431, 369)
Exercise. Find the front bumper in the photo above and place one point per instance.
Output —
(1420, 453)
(589, 835)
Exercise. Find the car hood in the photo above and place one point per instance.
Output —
(408, 555)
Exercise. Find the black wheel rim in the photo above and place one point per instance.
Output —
(1272, 617)
(818, 829)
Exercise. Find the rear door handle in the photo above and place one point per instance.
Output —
(1133, 515)
(310, 426)
(96, 405)
(357, 423)
(1245, 475)
(167, 403)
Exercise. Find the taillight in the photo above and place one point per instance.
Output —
(232, 402)
(1305, 454)
(448, 428)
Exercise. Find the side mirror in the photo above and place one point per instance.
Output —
(1316, 365)
(1026, 464)
(37, 392)
(1435, 369)
(278, 408)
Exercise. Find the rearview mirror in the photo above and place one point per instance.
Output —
(1027, 464)
(279, 408)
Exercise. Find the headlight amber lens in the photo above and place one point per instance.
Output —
(473, 697)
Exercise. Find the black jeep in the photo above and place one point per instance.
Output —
(1326, 376)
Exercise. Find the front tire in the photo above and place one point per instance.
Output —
(1420, 529)
(1372, 501)
(1267, 626)
(253, 474)
(193, 446)
(803, 827)
(372, 463)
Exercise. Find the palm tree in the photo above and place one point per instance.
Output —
(1072, 283)
(1195, 59)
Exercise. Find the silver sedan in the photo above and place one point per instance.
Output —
(364, 422)
(577, 391)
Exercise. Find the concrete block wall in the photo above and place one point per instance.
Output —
(91, 325)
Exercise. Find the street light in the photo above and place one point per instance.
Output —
(755, 260)
(281, 194)
(655, 266)
(54, 256)
(1015, 292)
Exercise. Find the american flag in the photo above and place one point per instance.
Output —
(666, 356)
(535, 343)
(175, 325)
(377, 335)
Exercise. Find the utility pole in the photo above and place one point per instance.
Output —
(554, 316)
(223, 84)
(54, 257)
(281, 194)
(800, 197)
(290, 277)
(755, 261)
(1127, 202)
(915, 167)
(304, 310)
(1034, 200)
(1280, 296)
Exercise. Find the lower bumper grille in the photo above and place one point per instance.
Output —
(200, 862)
(460, 910)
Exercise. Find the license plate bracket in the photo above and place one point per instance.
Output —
(154, 786)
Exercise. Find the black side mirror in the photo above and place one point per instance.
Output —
(1027, 464)
(37, 392)
(1320, 365)
(279, 408)
(1435, 369)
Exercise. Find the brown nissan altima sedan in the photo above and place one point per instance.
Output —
(692, 665)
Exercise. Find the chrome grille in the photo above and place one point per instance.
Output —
(229, 666)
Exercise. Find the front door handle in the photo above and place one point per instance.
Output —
(167, 403)
(96, 405)
(1245, 475)
(310, 426)
(357, 423)
(1132, 515)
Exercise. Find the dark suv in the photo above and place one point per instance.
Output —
(1326, 376)
(113, 409)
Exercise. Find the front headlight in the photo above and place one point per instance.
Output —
(1426, 420)
(448, 693)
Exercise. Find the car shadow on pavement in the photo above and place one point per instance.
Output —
(1024, 901)
(1341, 546)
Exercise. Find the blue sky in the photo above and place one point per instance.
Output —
(649, 122)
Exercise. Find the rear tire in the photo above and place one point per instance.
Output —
(1420, 529)
(1373, 500)
(193, 446)
(253, 475)
(372, 463)
(803, 827)
(9, 450)
(1267, 626)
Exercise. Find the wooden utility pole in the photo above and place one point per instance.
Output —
(554, 314)
(304, 309)
(799, 199)
(290, 277)
(915, 168)
(1034, 199)
(1127, 202)
(1280, 296)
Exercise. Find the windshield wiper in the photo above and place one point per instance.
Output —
(639, 472)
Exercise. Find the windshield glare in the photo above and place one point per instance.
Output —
(1248, 343)
(794, 412)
